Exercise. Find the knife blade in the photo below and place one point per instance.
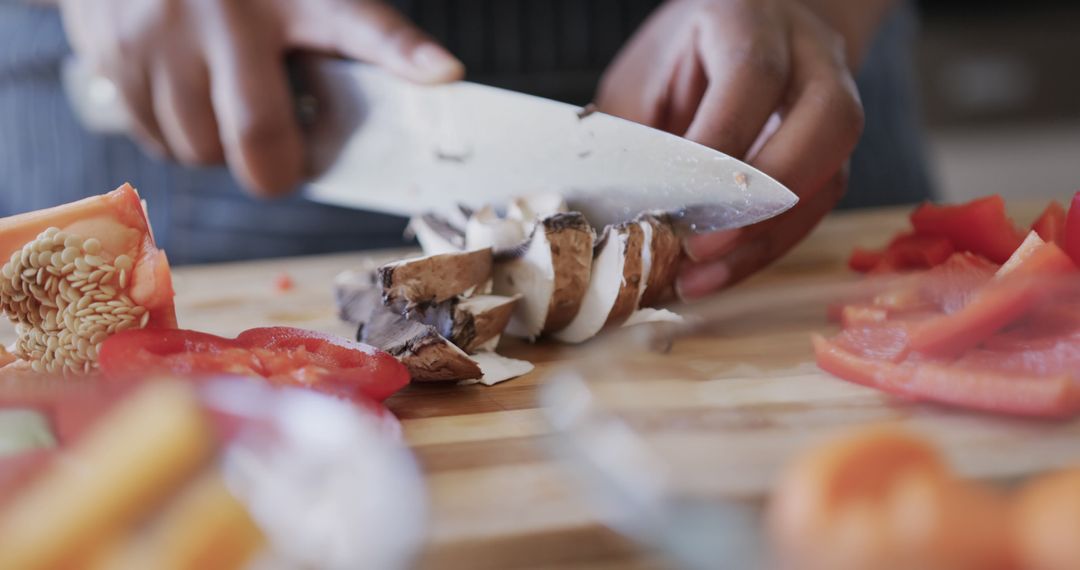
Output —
(376, 142)
(384, 144)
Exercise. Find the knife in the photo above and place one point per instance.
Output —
(376, 142)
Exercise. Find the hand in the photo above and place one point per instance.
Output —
(763, 80)
(204, 80)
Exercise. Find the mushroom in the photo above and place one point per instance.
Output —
(434, 278)
(437, 234)
(487, 229)
(612, 293)
(428, 355)
(550, 271)
(528, 209)
(473, 324)
(497, 368)
(469, 323)
(661, 255)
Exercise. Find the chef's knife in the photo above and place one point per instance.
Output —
(376, 142)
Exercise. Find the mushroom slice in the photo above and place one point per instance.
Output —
(551, 273)
(434, 278)
(528, 209)
(498, 368)
(436, 234)
(478, 320)
(663, 251)
(469, 323)
(486, 229)
(356, 295)
(613, 288)
(428, 355)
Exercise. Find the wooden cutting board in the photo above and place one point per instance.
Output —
(499, 501)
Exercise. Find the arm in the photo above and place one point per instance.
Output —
(856, 22)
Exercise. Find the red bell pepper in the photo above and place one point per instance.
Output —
(1050, 225)
(282, 355)
(1003, 300)
(980, 389)
(1072, 230)
(980, 226)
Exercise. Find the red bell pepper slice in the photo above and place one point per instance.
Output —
(1003, 392)
(1002, 301)
(1072, 230)
(864, 260)
(1050, 225)
(980, 226)
(282, 355)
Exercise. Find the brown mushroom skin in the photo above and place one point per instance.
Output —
(627, 300)
(666, 253)
(571, 240)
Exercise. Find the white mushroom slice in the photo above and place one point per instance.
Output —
(551, 273)
(436, 234)
(434, 278)
(486, 229)
(652, 316)
(498, 368)
(428, 355)
(665, 250)
(529, 209)
(478, 320)
(613, 288)
(356, 295)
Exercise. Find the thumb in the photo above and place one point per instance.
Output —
(374, 32)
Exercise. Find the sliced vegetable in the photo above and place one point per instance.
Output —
(79, 272)
(975, 388)
(980, 226)
(1046, 517)
(1050, 225)
(282, 355)
(884, 499)
(1001, 302)
(1072, 230)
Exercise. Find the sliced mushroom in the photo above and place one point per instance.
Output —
(472, 324)
(612, 293)
(428, 355)
(528, 209)
(437, 234)
(434, 278)
(469, 323)
(498, 368)
(487, 229)
(664, 250)
(550, 271)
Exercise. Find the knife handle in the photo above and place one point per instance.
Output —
(99, 107)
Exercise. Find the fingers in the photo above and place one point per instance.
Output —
(253, 104)
(135, 89)
(185, 114)
(825, 120)
(745, 55)
(374, 32)
(748, 250)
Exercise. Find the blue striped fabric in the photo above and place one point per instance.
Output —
(555, 48)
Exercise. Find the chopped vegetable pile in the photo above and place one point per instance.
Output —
(967, 331)
(884, 498)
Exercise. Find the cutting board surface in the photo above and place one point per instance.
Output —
(497, 498)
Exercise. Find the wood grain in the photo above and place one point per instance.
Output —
(498, 500)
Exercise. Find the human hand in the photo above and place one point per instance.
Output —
(762, 80)
(205, 80)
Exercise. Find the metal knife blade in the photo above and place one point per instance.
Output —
(380, 143)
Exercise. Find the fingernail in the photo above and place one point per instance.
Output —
(698, 281)
(436, 63)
